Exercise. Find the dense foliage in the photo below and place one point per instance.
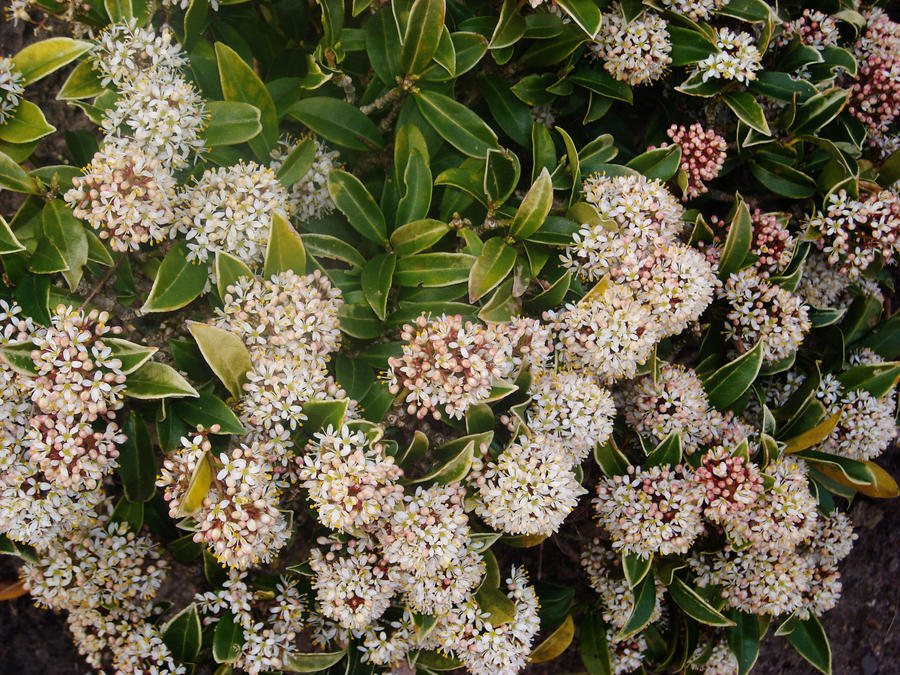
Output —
(363, 309)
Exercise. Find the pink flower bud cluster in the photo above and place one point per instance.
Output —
(732, 482)
(126, 195)
(703, 154)
(813, 28)
(875, 94)
(772, 242)
(651, 511)
(446, 366)
(857, 232)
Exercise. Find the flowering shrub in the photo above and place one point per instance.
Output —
(362, 308)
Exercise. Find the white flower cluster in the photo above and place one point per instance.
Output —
(309, 197)
(59, 435)
(857, 232)
(271, 619)
(105, 577)
(636, 51)
(466, 632)
(124, 50)
(290, 327)
(695, 9)
(529, 489)
(605, 575)
(651, 511)
(125, 194)
(737, 58)
(674, 281)
(762, 311)
(11, 89)
(822, 284)
(448, 365)
(238, 518)
(230, 209)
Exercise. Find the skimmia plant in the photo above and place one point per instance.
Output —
(407, 336)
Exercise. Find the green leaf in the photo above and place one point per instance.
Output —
(17, 355)
(326, 246)
(555, 643)
(118, 10)
(182, 634)
(177, 282)
(610, 459)
(417, 184)
(376, 282)
(198, 487)
(456, 124)
(782, 179)
(534, 208)
(688, 45)
(601, 82)
(13, 177)
(728, 383)
(743, 638)
(433, 270)
(157, 380)
(310, 663)
(66, 233)
(284, 250)
(636, 568)
(667, 453)
(423, 33)
(593, 646)
(496, 603)
(322, 414)
(585, 13)
(231, 122)
(42, 58)
(208, 410)
(510, 26)
(359, 321)
(451, 470)
(130, 513)
(813, 436)
(382, 38)
(470, 48)
(644, 604)
(83, 82)
(27, 124)
(878, 379)
(355, 202)
(513, 116)
(337, 121)
(817, 111)
(418, 235)
(491, 267)
(137, 461)
(748, 111)
(298, 163)
(228, 270)
(8, 241)
(695, 606)
(131, 354)
(737, 244)
(240, 83)
(228, 639)
(501, 175)
(810, 641)
(226, 355)
(660, 163)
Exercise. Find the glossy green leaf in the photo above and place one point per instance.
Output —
(66, 233)
(157, 380)
(417, 236)
(491, 267)
(298, 163)
(555, 643)
(355, 202)
(737, 243)
(313, 662)
(131, 354)
(182, 634)
(636, 568)
(47, 56)
(423, 33)
(231, 122)
(810, 641)
(593, 645)
(226, 355)
(337, 121)
(376, 282)
(584, 13)
(83, 82)
(661, 163)
(177, 282)
(501, 175)
(727, 384)
(534, 207)
(137, 461)
(228, 270)
(783, 180)
(433, 270)
(417, 187)
(284, 250)
(456, 124)
(644, 604)
(228, 639)
(208, 410)
(695, 606)
(748, 111)
(241, 84)
(326, 246)
(8, 241)
(12, 177)
(27, 124)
